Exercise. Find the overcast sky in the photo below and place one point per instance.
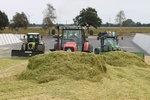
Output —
(66, 10)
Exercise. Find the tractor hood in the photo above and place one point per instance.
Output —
(71, 46)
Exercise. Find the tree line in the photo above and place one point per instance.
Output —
(126, 23)
(87, 17)
(20, 20)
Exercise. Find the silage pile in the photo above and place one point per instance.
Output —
(56, 65)
(123, 59)
(77, 66)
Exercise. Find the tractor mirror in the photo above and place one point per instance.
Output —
(98, 38)
(122, 38)
(57, 27)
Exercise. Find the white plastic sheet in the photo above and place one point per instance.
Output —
(9, 39)
(142, 41)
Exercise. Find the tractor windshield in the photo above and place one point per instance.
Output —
(33, 38)
(111, 42)
(72, 36)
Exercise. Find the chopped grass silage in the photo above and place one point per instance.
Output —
(55, 65)
(123, 59)
(130, 82)
(76, 65)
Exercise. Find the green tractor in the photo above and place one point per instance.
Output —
(31, 46)
(72, 39)
(108, 41)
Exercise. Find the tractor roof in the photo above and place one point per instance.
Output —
(33, 33)
(108, 35)
(72, 28)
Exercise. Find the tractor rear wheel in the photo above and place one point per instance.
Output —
(23, 47)
(41, 48)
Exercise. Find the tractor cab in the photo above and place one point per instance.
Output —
(32, 45)
(33, 37)
(108, 41)
(72, 39)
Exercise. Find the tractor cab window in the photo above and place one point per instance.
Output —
(33, 38)
(110, 41)
(72, 35)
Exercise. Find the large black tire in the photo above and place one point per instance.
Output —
(41, 48)
(91, 48)
(23, 47)
(57, 47)
(97, 50)
(105, 48)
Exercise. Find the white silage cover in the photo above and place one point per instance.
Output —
(9, 39)
(143, 41)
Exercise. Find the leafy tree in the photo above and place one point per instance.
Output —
(47, 22)
(3, 20)
(11, 25)
(88, 17)
(120, 18)
(128, 23)
(49, 16)
(138, 24)
(19, 20)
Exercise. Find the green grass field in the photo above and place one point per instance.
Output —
(120, 31)
(123, 30)
(126, 82)
(24, 31)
